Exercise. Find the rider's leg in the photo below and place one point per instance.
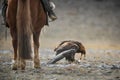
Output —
(48, 8)
(4, 8)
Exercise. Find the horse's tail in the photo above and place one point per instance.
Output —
(24, 29)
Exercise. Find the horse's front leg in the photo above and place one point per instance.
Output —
(36, 50)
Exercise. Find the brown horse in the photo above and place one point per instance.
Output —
(25, 18)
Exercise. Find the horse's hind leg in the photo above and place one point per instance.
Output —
(14, 44)
(36, 50)
(18, 63)
(11, 20)
(21, 64)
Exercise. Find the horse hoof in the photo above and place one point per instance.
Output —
(23, 68)
(14, 68)
(37, 67)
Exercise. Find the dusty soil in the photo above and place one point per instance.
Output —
(99, 65)
(95, 24)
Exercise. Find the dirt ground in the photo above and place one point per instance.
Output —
(99, 65)
(95, 23)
